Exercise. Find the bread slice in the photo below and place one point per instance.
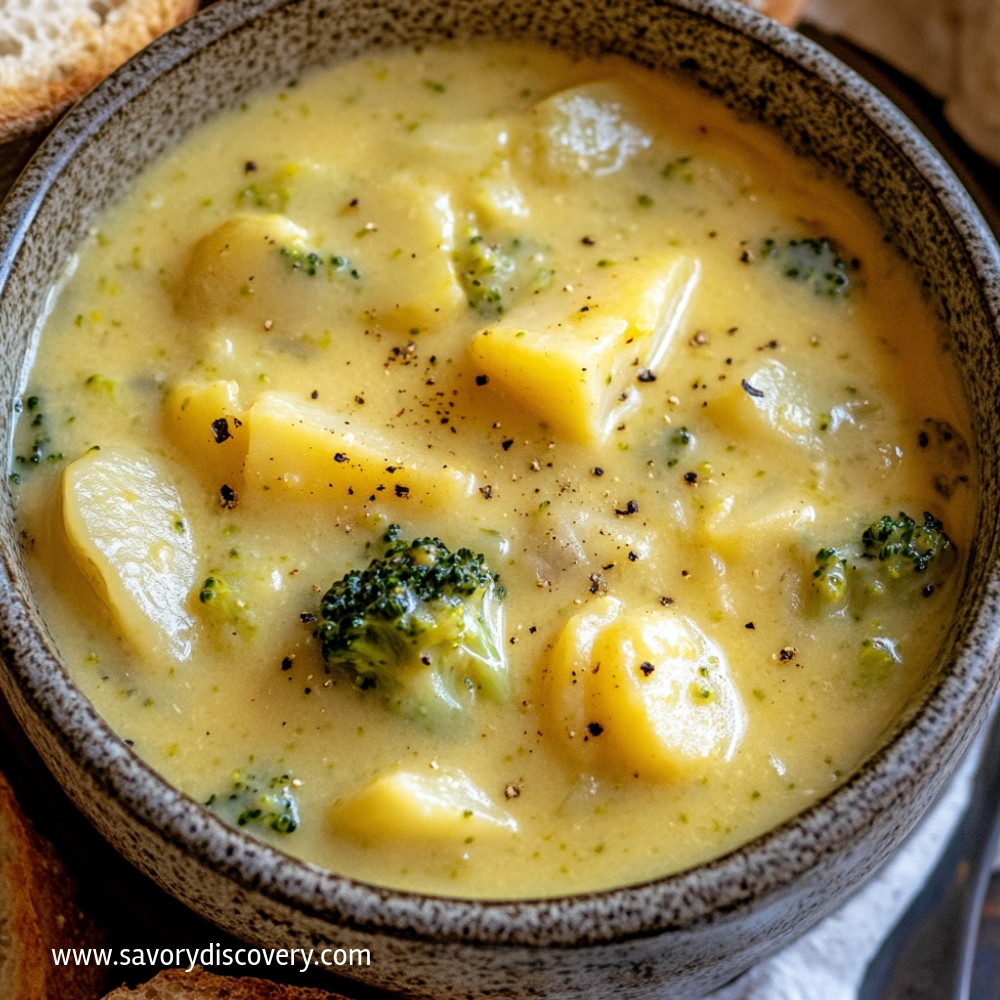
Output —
(177, 984)
(52, 51)
(38, 912)
(786, 11)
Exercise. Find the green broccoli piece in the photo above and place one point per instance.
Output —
(311, 263)
(810, 261)
(891, 552)
(250, 800)
(420, 626)
(492, 273)
(40, 450)
(680, 442)
(903, 546)
(226, 609)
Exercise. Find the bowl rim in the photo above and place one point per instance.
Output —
(724, 885)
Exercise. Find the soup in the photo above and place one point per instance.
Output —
(492, 473)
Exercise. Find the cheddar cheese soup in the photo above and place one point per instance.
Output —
(485, 472)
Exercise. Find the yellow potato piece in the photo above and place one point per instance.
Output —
(434, 805)
(248, 270)
(299, 451)
(644, 694)
(208, 424)
(771, 404)
(593, 129)
(400, 236)
(125, 523)
(745, 524)
(573, 355)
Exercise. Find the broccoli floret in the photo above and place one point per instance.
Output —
(311, 263)
(40, 450)
(493, 273)
(420, 626)
(225, 608)
(891, 552)
(903, 547)
(680, 443)
(811, 261)
(252, 800)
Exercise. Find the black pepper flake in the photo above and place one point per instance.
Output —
(597, 470)
(314, 394)
(340, 457)
(666, 601)
(220, 430)
(750, 625)
(595, 728)
(923, 440)
(249, 167)
(632, 507)
(786, 653)
(506, 444)
(646, 375)
(307, 617)
(228, 497)
(750, 390)
(487, 492)
(482, 379)
(402, 491)
(287, 662)
(646, 667)
(587, 241)
(691, 478)
(927, 590)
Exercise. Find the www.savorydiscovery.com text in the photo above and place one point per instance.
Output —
(214, 956)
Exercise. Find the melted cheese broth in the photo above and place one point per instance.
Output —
(568, 301)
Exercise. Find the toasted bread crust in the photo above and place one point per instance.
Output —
(177, 984)
(39, 913)
(786, 11)
(88, 50)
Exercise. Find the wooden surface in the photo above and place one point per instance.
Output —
(139, 914)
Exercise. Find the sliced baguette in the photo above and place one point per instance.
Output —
(178, 984)
(52, 51)
(38, 912)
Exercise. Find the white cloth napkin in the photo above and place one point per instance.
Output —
(952, 47)
(830, 961)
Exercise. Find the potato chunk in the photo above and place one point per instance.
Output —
(298, 451)
(645, 694)
(256, 271)
(744, 524)
(592, 129)
(400, 236)
(126, 527)
(439, 805)
(207, 423)
(573, 355)
(771, 402)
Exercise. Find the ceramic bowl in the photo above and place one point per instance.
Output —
(679, 936)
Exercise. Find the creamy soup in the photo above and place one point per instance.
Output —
(486, 472)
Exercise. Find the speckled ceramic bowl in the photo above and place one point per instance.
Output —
(679, 936)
